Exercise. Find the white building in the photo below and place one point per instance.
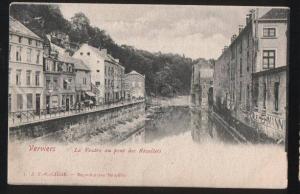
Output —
(106, 73)
(25, 69)
(134, 85)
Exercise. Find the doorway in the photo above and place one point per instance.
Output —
(67, 104)
(48, 104)
(37, 103)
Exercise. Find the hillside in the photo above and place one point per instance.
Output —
(166, 74)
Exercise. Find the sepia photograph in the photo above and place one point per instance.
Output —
(147, 95)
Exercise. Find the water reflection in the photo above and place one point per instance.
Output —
(155, 124)
(163, 122)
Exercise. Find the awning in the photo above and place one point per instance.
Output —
(67, 81)
(90, 93)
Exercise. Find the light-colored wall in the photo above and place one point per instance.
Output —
(135, 85)
(79, 76)
(279, 44)
(94, 62)
(24, 65)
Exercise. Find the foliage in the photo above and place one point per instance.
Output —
(166, 74)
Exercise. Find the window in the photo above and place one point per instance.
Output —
(37, 43)
(241, 47)
(105, 70)
(18, 77)
(264, 95)
(29, 101)
(63, 100)
(269, 32)
(268, 59)
(55, 84)
(84, 80)
(29, 41)
(65, 85)
(20, 39)
(38, 57)
(81, 53)
(69, 84)
(28, 77)
(28, 55)
(9, 102)
(248, 64)
(19, 101)
(240, 91)
(48, 81)
(97, 84)
(19, 54)
(47, 65)
(88, 53)
(241, 67)
(9, 76)
(98, 70)
(70, 68)
(276, 95)
(105, 83)
(37, 78)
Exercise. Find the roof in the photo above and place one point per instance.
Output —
(134, 73)
(79, 64)
(65, 58)
(269, 71)
(106, 56)
(276, 13)
(17, 27)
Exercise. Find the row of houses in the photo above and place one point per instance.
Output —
(43, 75)
(250, 75)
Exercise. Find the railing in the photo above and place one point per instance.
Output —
(22, 117)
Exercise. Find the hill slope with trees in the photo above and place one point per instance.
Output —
(166, 74)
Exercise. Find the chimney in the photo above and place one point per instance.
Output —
(233, 37)
(248, 18)
(240, 28)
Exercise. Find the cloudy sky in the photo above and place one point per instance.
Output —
(195, 31)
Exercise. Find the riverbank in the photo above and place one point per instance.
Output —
(244, 133)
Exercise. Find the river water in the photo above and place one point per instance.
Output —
(163, 119)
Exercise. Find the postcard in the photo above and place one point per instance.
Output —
(147, 95)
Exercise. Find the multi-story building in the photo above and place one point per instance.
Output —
(114, 74)
(106, 73)
(82, 81)
(202, 80)
(195, 85)
(134, 85)
(250, 73)
(26, 79)
(59, 73)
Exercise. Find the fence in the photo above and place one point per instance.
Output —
(22, 117)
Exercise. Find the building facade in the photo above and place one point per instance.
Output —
(26, 79)
(59, 74)
(82, 81)
(114, 76)
(106, 73)
(202, 81)
(249, 70)
(134, 85)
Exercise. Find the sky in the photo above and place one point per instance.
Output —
(195, 31)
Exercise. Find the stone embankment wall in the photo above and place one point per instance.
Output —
(86, 122)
